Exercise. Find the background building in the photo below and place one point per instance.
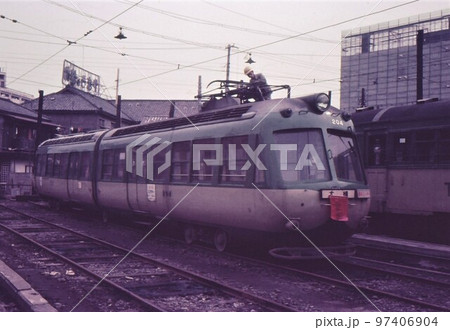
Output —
(18, 134)
(147, 111)
(397, 62)
(11, 94)
(77, 111)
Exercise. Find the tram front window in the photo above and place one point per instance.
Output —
(301, 156)
(345, 157)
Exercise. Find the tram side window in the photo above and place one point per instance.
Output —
(181, 156)
(425, 146)
(119, 162)
(131, 176)
(301, 156)
(74, 165)
(158, 162)
(64, 163)
(400, 144)
(49, 166)
(85, 164)
(234, 159)
(444, 146)
(41, 161)
(201, 171)
(60, 165)
(107, 164)
(377, 150)
(113, 165)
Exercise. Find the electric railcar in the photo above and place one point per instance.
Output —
(406, 152)
(270, 168)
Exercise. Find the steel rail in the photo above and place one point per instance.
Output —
(270, 305)
(141, 300)
(363, 288)
(359, 262)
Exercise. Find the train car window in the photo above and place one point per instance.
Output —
(304, 158)
(119, 165)
(425, 146)
(131, 176)
(85, 164)
(107, 164)
(400, 144)
(41, 161)
(377, 150)
(345, 157)
(234, 158)
(444, 146)
(64, 162)
(56, 165)
(74, 165)
(158, 161)
(202, 172)
(49, 165)
(181, 157)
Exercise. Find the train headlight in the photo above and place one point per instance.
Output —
(322, 102)
(318, 102)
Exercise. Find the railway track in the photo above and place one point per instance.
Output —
(153, 284)
(439, 280)
(371, 289)
(414, 258)
(347, 279)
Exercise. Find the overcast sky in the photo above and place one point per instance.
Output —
(171, 43)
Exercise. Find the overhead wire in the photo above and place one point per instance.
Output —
(157, 88)
(278, 41)
(203, 21)
(181, 66)
(68, 41)
(249, 17)
(148, 33)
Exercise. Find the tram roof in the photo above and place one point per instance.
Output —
(407, 113)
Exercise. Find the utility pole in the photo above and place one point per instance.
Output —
(228, 60)
(419, 86)
(119, 111)
(39, 134)
(117, 85)
(199, 92)
(118, 103)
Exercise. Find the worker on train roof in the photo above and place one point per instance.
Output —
(259, 81)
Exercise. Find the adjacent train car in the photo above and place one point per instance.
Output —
(272, 168)
(406, 152)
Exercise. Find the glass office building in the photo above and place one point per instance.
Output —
(396, 62)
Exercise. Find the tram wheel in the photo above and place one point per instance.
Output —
(190, 235)
(220, 240)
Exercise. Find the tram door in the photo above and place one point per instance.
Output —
(132, 191)
(131, 180)
(146, 180)
(152, 185)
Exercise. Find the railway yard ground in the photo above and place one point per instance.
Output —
(73, 261)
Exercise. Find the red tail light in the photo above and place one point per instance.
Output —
(339, 208)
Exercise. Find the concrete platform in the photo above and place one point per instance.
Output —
(22, 292)
(398, 244)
